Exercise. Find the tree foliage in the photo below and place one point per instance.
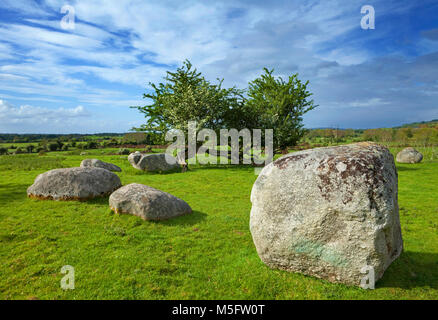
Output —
(269, 103)
(280, 105)
(187, 96)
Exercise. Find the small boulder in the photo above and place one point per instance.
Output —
(74, 184)
(153, 162)
(134, 158)
(328, 212)
(100, 164)
(409, 155)
(147, 203)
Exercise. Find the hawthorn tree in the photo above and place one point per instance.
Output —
(187, 96)
(268, 103)
(277, 104)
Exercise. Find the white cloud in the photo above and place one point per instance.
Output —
(24, 113)
(369, 103)
(34, 119)
(117, 48)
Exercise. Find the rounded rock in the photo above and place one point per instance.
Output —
(409, 155)
(328, 212)
(74, 184)
(153, 162)
(147, 203)
(100, 164)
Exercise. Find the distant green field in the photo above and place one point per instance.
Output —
(18, 145)
(206, 255)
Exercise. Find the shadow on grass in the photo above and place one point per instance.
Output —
(13, 192)
(186, 220)
(412, 270)
(222, 166)
(98, 200)
(406, 169)
(193, 168)
(138, 172)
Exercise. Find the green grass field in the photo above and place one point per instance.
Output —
(206, 255)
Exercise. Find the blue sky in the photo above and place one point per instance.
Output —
(84, 80)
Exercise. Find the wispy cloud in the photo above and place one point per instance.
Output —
(38, 114)
(118, 47)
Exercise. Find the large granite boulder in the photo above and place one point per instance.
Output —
(74, 184)
(409, 155)
(100, 164)
(328, 212)
(153, 162)
(147, 203)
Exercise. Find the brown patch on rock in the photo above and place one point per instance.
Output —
(283, 162)
(362, 163)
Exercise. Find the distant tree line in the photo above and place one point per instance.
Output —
(424, 136)
(69, 142)
(27, 138)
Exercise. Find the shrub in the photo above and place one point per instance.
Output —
(112, 143)
(81, 146)
(18, 151)
(123, 151)
(3, 151)
(53, 146)
(135, 138)
(30, 148)
(92, 145)
(60, 144)
(64, 147)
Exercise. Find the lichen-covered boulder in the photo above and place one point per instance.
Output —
(74, 184)
(328, 212)
(409, 155)
(100, 164)
(153, 162)
(147, 203)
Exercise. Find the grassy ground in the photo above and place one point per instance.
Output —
(206, 255)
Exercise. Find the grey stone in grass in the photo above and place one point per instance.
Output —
(134, 158)
(147, 203)
(100, 164)
(328, 212)
(153, 162)
(409, 155)
(74, 184)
